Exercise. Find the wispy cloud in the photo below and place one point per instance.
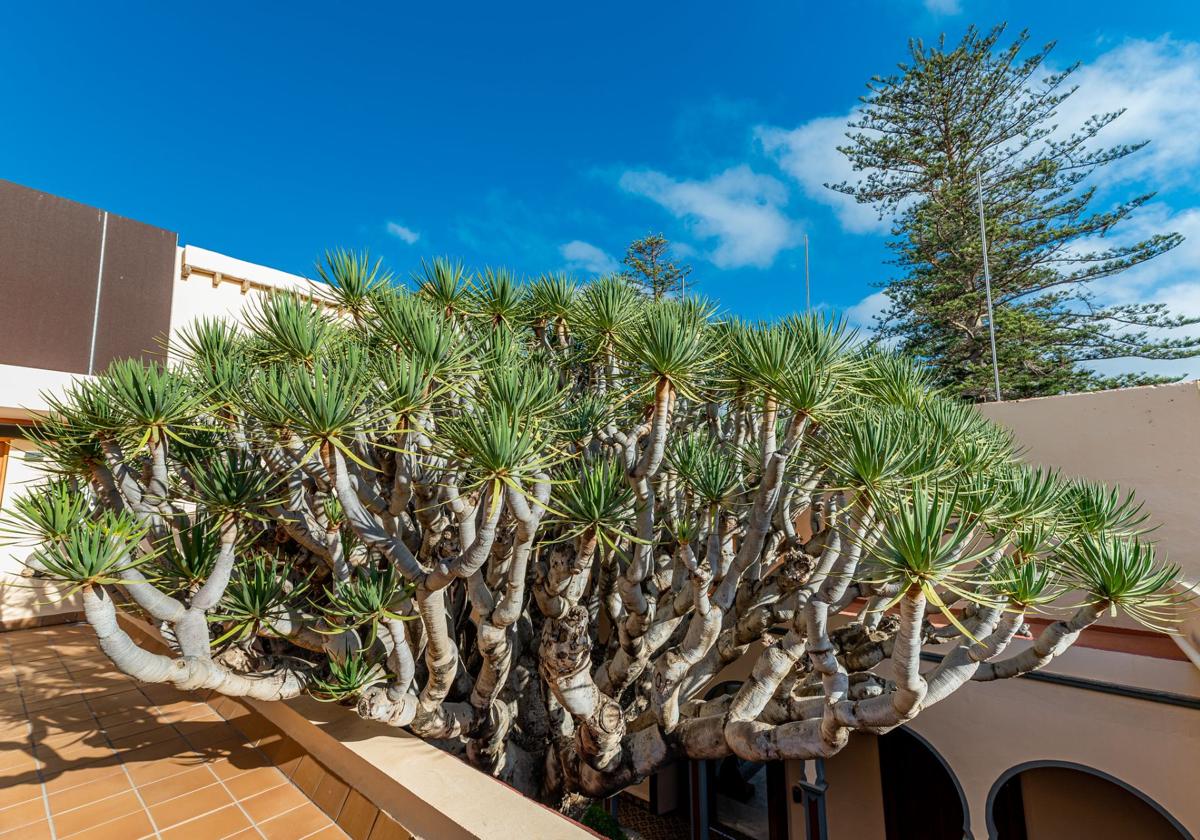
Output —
(1158, 83)
(862, 314)
(1172, 279)
(861, 317)
(584, 256)
(943, 7)
(405, 234)
(502, 228)
(809, 155)
(740, 210)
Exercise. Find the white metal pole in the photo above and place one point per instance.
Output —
(987, 285)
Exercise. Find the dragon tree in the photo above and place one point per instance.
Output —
(534, 521)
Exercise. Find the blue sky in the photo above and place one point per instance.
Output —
(548, 135)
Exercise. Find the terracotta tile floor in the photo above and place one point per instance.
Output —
(88, 753)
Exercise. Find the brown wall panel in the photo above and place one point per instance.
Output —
(50, 253)
(49, 259)
(135, 294)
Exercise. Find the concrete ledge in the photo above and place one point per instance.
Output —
(431, 792)
(415, 789)
(45, 620)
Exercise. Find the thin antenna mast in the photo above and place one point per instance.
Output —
(987, 284)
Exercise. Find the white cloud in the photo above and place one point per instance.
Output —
(1158, 83)
(1172, 279)
(943, 7)
(740, 209)
(401, 232)
(584, 256)
(682, 250)
(861, 317)
(862, 314)
(1138, 284)
(809, 154)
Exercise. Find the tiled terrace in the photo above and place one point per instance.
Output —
(88, 753)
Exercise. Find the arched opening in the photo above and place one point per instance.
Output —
(1046, 800)
(921, 796)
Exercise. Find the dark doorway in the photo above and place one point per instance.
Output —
(921, 800)
(735, 799)
(1008, 811)
(747, 800)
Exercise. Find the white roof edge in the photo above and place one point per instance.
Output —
(207, 260)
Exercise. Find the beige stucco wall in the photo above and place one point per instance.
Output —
(22, 397)
(22, 598)
(1144, 439)
(854, 769)
(984, 730)
(22, 389)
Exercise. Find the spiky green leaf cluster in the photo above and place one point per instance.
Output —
(93, 553)
(260, 592)
(347, 677)
(369, 597)
(478, 387)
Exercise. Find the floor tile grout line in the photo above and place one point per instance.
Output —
(69, 765)
(236, 800)
(107, 822)
(128, 776)
(135, 786)
(99, 728)
(155, 708)
(319, 830)
(33, 752)
(286, 778)
(283, 814)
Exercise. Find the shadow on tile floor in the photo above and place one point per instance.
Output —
(88, 753)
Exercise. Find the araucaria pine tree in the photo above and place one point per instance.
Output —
(535, 522)
(974, 112)
(649, 264)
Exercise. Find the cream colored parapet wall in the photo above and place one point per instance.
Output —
(428, 788)
(233, 270)
(1143, 439)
